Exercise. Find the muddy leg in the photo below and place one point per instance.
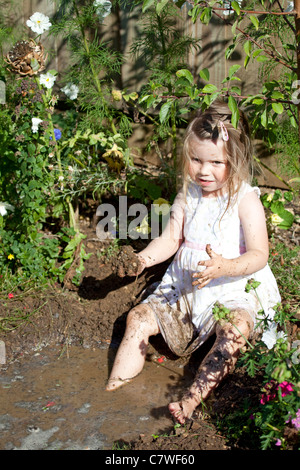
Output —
(130, 358)
(216, 365)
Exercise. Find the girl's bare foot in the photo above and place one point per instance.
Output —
(181, 411)
(114, 384)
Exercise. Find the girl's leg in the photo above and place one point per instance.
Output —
(216, 365)
(141, 324)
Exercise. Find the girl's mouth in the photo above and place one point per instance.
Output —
(205, 182)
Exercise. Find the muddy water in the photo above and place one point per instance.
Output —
(55, 399)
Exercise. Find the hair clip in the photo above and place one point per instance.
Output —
(224, 131)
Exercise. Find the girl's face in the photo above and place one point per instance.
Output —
(208, 166)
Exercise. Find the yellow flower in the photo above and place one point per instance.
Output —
(144, 227)
(270, 197)
(161, 206)
(117, 95)
(114, 157)
(275, 219)
(10, 257)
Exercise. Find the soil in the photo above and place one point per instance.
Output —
(95, 313)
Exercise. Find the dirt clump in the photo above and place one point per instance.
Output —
(126, 263)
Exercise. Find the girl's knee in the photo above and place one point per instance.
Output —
(241, 324)
(142, 317)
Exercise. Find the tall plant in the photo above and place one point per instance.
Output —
(164, 48)
(48, 161)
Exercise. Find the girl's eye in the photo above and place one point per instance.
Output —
(217, 163)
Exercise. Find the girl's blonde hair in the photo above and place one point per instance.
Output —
(209, 125)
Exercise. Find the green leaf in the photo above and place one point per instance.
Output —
(264, 118)
(186, 74)
(147, 4)
(232, 104)
(204, 73)
(164, 111)
(277, 108)
(160, 6)
(209, 88)
(206, 15)
(262, 58)
(254, 21)
(34, 65)
(233, 69)
(236, 7)
(286, 216)
(247, 47)
(31, 149)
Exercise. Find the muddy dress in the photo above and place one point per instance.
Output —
(184, 312)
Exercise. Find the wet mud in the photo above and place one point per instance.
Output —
(55, 400)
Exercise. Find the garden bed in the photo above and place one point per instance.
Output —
(95, 313)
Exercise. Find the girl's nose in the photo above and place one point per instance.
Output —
(204, 169)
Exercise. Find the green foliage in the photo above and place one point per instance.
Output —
(275, 203)
(272, 359)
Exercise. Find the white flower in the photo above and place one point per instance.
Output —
(103, 8)
(38, 23)
(47, 79)
(227, 4)
(4, 206)
(71, 91)
(35, 124)
(271, 335)
(290, 6)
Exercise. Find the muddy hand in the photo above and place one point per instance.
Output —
(134, 268)
(211, 270)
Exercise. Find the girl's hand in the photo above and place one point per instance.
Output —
(128, 263)
(133, 269)
(215, 267)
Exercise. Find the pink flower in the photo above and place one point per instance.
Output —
(278, 442)
(270, 391)
(10, 296)
(269, 394)
(295, 421)
(286, 388)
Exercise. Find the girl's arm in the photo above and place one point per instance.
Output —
(252, 216)
(167, 244)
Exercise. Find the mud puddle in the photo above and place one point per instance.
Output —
(54, 399)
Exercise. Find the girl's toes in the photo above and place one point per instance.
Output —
(176, 411)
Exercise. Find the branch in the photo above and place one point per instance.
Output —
(234, 95)
(253, 12)
(286, 19)
(256, 43)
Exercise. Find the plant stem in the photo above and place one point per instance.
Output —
(57, 150)
(273, 172)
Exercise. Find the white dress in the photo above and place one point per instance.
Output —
(175, 295)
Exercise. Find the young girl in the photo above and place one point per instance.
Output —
(217, 230)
